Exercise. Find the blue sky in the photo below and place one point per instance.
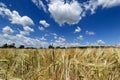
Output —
(62, 22)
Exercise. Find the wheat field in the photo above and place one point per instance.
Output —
(60, 64)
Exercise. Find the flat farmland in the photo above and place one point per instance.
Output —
(60, 64)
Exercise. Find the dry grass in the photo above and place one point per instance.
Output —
(60, 64)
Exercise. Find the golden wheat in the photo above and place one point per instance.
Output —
(60, 64)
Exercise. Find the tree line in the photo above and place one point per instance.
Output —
(12, 45)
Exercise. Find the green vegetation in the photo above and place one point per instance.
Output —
(60, 64)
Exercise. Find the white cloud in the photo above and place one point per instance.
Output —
(71, 11)
(55, 37)
(35, 42)
(15, 18)
(109, 3)
(28, 29)
(78, 29)
(7, 30)
(22, 40)
(60, 41)
(80, 37)
(2, 5)
(100, 42)
(92, 5)
(44, 23)
(46, 34)
(43, 38)
(90, 32)
(62, 12)
(41, 28)
(25, 33)
(54, 34)
(74, 44)
(40, 4)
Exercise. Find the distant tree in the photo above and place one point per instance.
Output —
(11, 45)
(21, 46)
(4, 46)
(63, 48)
(58, 47)
(30, 48)
(41, 47)
(50, 46)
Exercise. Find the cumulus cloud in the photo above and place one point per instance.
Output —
(46, 34)
(62, 12)
(74, 44)
(71, 11)
(43, 38)
(2, 5)
(100, 42)
(40, 4)
(21, 39)
(54, 35)
(26, 31)
(109, 3)
(60, 41)
(92, 5)
(90, 33)
(44, 23)
(80, 37)
(14, 17)
(78, 29)
(7, 30)
(41, 28)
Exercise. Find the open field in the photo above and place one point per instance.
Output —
(60, 64)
